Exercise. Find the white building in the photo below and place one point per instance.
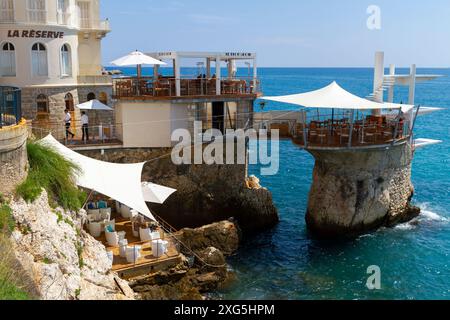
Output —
(51, 49)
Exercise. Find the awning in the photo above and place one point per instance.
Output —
(334, 96)
(121, 182)
(93, 105)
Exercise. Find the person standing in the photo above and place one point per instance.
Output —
(68, 121)
(85, 126)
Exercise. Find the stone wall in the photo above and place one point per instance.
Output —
(54, 120)
(358, 190)
(13, 157)
(205, 193)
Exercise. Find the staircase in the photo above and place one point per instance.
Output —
(388, 82)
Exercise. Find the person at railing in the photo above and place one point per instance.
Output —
(67, 122)
(84, 126)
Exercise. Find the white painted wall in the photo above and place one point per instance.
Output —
(85, 45)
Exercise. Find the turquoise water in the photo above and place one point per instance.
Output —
(287, 263)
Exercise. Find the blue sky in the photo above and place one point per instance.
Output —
(284, 33)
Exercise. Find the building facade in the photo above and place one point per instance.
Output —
(51, 49)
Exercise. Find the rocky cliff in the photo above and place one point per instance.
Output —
(358, 190)
(62, 261)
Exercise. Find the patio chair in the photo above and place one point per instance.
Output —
(125, 211)
(133, 254)
(105, 213)
(159, 248)
(111, 237)
(111, 223)
(102, 204)
(95, 229)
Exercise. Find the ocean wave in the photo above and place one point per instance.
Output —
(426, 216)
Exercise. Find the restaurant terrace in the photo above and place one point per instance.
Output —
(208, 79)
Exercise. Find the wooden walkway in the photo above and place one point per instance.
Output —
(147, 263)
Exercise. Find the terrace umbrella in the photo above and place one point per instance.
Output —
(93, 105)
(136, 58)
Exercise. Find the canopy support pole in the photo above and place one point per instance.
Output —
(396, 126)
(414, 123)
(350, 134)
(87, 199)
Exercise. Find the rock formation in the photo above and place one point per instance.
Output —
(63, 261)
(358, 190)
(199, 274)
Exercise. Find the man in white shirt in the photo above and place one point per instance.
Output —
(85, 126)
(68, 121)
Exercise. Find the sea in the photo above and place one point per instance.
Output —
(287, 262)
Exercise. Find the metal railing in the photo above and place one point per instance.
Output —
(103, 134)
(93, 24)
(10, 106)
(63, 18)
(340, 133)
(127, 87)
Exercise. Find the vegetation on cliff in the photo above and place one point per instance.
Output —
(11, 284)
(52, 172)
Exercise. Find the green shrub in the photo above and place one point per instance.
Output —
(6, 219)
(52, 172)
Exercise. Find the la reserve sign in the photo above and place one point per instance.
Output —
(39, 34)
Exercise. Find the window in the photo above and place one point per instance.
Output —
(42, 103)
(63, 15)
(68, 99)
(7, 60)
(90, 96)
(37, 11)
(66, 62)
(84, 14)
(39, 60)
(103, 98)
(6, 10)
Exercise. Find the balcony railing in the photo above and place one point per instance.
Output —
(149, 87)
(37, 16)
(63, 18)
(341, 133)
(91, 24)
(6, 16)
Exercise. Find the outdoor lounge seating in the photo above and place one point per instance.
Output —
(95, 229)
(159, 248)
(133, 254)
(111, 237)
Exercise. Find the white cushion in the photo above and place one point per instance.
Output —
(133, 254)
(105, 213)
(125, 211)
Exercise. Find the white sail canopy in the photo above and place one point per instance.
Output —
(334, 96)
(121, 182)
(156, 193)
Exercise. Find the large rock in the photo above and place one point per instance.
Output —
(222, 235)
(357, 190)
(63, 262)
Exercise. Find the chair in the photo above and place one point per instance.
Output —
(145, 234)
(91, 205)
(95, 229)
(118, 204)
(93, 214)
(105, 213)
(112, 238)
(159, 248)
(102, 204)
(111, 223)
(125, 211)
(123, 245)
(133, 254)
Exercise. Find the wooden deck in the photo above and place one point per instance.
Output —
(147, 263)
